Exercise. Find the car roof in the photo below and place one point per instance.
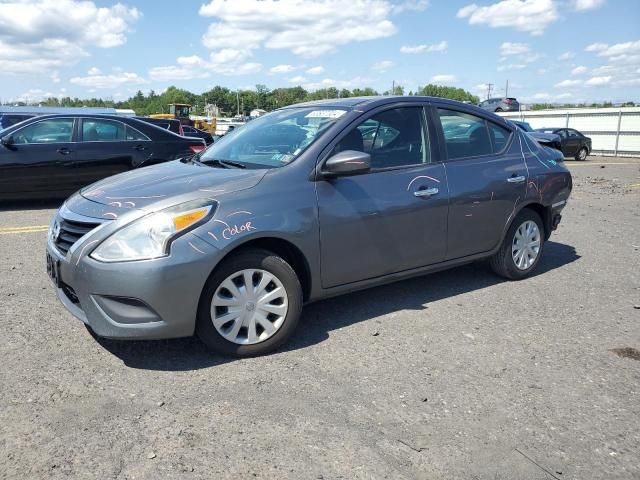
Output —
(373, 101)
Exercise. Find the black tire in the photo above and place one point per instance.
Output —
(502, 262)
(499, 110)
(250, 259)
(578, 156)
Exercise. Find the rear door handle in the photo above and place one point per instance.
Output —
(518, 179)
(63, 151)
(427, 192)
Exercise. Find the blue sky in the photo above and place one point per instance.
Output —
(549, 50)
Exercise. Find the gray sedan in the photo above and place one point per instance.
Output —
(307, 202)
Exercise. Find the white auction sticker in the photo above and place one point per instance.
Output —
(326, 114)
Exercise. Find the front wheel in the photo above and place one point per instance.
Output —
(581, 154)
(250, 304)
(521, 248)
(498, 109)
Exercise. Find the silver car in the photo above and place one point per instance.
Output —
(304, 203)
(500, 105)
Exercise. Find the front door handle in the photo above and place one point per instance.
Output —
(427, 192)
(63, 151)
(518, 179)
(139, 148)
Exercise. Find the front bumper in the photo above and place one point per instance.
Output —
(149, 299)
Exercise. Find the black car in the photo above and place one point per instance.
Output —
(548, 139)
(50, 156)
(573, 143)
(197, 133)
(172, 125)
(9, 119)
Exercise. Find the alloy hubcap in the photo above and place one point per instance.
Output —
(526, 245)
(583, 154)
(249, 306)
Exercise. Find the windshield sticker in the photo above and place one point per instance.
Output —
(325, 114)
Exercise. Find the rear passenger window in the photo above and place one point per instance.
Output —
(134, 135)
(102, 130)
(393, 138)
(499, 136)
(467, 136)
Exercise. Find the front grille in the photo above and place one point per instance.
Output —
(71, 232)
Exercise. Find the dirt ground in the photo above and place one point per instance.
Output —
(456, 375)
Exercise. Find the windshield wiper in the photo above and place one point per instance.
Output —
(222, 163)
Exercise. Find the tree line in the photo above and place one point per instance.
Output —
(231, 101)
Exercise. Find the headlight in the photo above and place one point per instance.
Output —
(149, 237)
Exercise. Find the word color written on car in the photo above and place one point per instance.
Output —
(307, 202)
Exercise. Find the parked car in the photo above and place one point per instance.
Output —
(573, 143)
(197, 133)
(55, 155)
(9, 119)
(172, 125)
(500, 105)
(295, 207)
(548, 139)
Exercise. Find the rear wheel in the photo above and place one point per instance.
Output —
(581, 154)
(521, 248)
(499, 109)
(250, 305)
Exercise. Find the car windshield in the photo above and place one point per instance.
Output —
(275, 139)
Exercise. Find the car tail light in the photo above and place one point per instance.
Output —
(508, 101)
(196, 148)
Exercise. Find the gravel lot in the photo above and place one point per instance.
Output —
(457, 375)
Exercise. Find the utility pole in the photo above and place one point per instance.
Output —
(489, 87)
(238, 100)
(506, 90)
(393, 87)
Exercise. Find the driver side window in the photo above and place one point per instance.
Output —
(56, 130)
(394, 138)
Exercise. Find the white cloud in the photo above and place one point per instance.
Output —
(511, 66)
(224, 62)
(38, 35)
(310, 30)
(541, 96)
(532, 16)
(508, 48)
(443, 79)
(596, 47)
(410, 5)
(382, 66)
(424, 48)
(583, 5)
(55, 76)
(94, 71)
(329, 82)
(566, 56)
(579, 70)
(318, 70)
(298, 79)
(568, 83)
(282, 69)
(598, 81)
(113, 80)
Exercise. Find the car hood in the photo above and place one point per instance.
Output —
(146, 187)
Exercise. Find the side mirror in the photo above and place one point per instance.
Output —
(348, 162)
(7, 140)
